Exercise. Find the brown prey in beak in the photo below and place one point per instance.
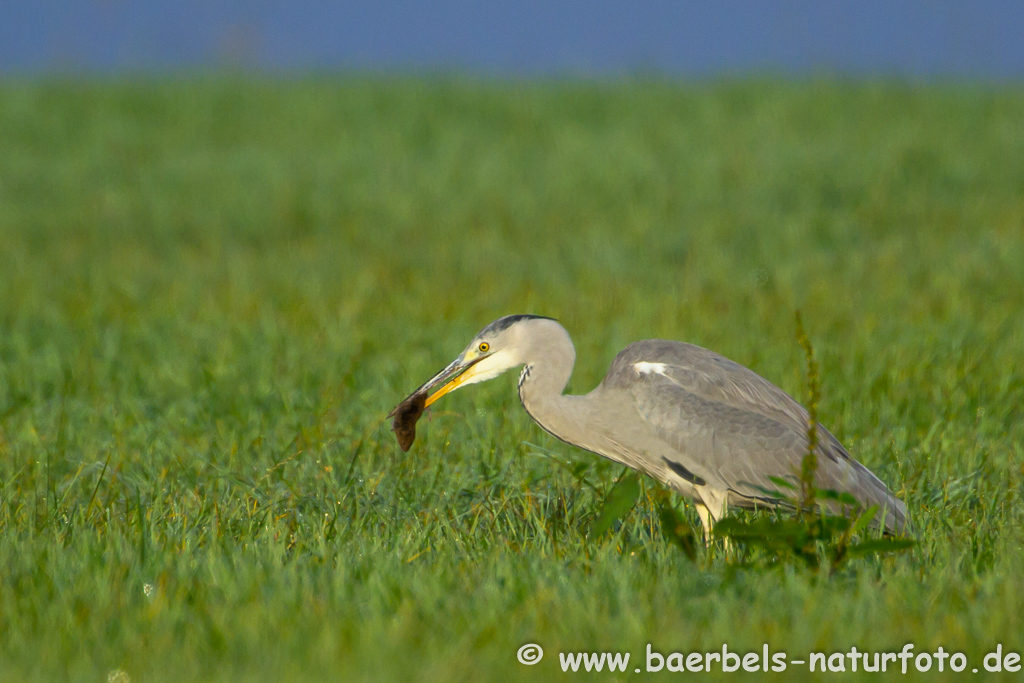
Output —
(407, 413)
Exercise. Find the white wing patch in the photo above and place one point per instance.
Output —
(645, 368)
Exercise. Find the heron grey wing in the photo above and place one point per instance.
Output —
(741, 450)
(732, 449)
(717, 379)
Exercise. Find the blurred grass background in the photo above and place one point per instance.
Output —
(212, 291)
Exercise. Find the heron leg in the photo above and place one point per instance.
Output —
(706, 521)
(710, 508)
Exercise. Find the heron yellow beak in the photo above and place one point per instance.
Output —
(454, 384)
(451, 377)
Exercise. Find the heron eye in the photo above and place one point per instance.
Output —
(484, 347)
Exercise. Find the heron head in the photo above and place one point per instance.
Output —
(498, 347)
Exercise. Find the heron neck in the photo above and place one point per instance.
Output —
(540, 389)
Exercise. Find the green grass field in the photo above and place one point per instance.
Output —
(212, 291)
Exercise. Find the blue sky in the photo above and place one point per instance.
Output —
(918, 38)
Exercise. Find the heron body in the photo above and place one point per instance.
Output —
(707, 427)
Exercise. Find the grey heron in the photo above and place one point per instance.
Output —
(707, 427)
